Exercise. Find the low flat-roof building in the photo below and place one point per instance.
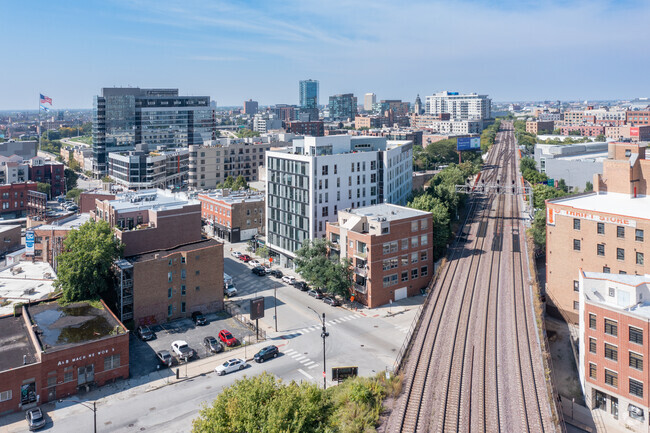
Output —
(614, 341)
(49, 351)
(48, 238)
(10, 238)
(575, 163)
(24, 281)
(233, 215)
(390, 248)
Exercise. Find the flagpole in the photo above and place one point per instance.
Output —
(40, 133)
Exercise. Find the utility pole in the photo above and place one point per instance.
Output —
(324, 334)
(275, 306)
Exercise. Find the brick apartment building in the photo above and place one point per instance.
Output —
(150, 220)
(13, 199)
(10, 238)
(584, 130)
(390, 248)
(536, 126)
(602, 231)
(637, 118)
(87, 199)
(52, 353)
(51, 172)
(233, 215)
(614, 330)
(314, 128)
(170, 284)
(628, 132)
(48, 238)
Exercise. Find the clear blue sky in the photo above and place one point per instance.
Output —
(235, 50)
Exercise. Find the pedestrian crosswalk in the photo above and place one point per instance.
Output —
(301, 358)
(404, 329)
(332, 322)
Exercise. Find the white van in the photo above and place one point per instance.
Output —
(229, 288)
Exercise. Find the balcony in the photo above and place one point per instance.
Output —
(360, 289)
(361, 272)
(361, 255)
(127, 300)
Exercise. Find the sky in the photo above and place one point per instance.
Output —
(512, 50)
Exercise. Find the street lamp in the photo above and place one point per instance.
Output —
(275, 305)
(93, 408)
(324, 334)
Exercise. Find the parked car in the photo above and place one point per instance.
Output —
(245, 258)
(182, 350)
(277, 273)
(267, 352)
(230, 366)
(199, 319)
(227, 338)
(35, 418)
(230, 291)
(331, 300)
(267, 269)
(212, 345)
(301, 285)
(145, 333)
(72, 208)
(254, 263)
(259, 271)
(315, 293)
(235, 254)
(288, 279)
(165, 357)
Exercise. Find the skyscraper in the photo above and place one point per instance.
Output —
(250, 107)
(124, 117)
(343, 106)
(368, 100)
(309, 98)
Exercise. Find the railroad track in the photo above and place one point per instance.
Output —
(474, 363)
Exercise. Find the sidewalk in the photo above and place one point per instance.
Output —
(15, 422)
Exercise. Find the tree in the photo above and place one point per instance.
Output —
(542, 192)
(107, 179)
(74, 165)
(74, 194)
(44, 188)
(84, 267)
(320, 269)
(264, 252)
(441, 223)
(240, 183)
(562, 186)
(246, 133)
(600, 137)
(71, 179)
(539, 229)
(589, 187)
(527, 163)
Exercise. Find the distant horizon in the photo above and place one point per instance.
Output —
(523, 50)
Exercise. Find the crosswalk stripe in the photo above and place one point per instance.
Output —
(289, 351)
(295, 355)
(330, 323)
(313, 366)
(345, 319)
(307, 364)
(337, 320)
(298, 358)
(307, 375)
(305, 361)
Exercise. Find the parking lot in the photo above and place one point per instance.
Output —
(143, 358)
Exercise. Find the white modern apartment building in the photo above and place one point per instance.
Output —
(368, 100)
(447, 127)
(469, 106)
(142, 170)
(308, 183)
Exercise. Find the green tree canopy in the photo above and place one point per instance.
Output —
(441, 221)
(239, 183)
(84, 268)
(71, 179)
(245, 133)
(44, 188)
(322, 270)
(74, 194)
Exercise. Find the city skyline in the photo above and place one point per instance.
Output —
(233, 52)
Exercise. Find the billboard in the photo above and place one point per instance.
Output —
(468, 143)
(29, 242)
(257, 308)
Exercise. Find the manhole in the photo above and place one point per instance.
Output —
(208, 387)
(130, 425)
(362, 345)
(152, 408)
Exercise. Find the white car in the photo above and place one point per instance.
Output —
(230, 291)
(182, 350)
(230, 366)
(235, 254)
(254, 263)
(288, 279)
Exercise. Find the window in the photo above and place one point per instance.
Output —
(414, 273)
(423, 224)
(424, 271)
(424, 239)
(606, 270)
(325, 211)
(325, 170)
(414, 226)
(51, 379)
(611, 327)
(592, 370)
(639, 258)
(620, 254)
(636, 335)
(170, 310)
(405, 244)
(576, 224)
(620, 231)
(636, 388)
(636, 361)
(405, 260)
(183, 290)
(628, 153)
(5, 395)
(197, 288)
(182, 307)
(576, 285)
(611, 378)
(169, 293)
(638, 235)
(576, 245)
(111, 362)
(405, 275)
(600, 249)
(183, 259)
(611, 352)
(414, 257)
(576, 305)
(424, 256)
(600, 228)
(414, 242)
(182, 274)
(592, 321)
(169, 276)
(68, 374)
(592, 345)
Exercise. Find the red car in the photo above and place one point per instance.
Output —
(227, 338)
(245, 258)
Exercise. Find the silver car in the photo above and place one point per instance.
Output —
(35, 418)
(230, 366)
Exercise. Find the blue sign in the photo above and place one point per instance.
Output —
(468, 143)
(29, 242)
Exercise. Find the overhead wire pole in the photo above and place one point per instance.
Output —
(324, 334)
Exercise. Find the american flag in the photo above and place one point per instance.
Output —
(46, 99)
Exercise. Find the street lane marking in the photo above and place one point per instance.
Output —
(307, 375)
(307, 364)
(289, 351)
(313, 366)
(295, 355)
(298, 358)
(305, 361)
(337, 320)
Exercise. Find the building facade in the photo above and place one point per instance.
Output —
(584, 130)
(313, 129)
(614, 328)
(637, 118)
(13, 199)
(390, 249)
(575, 163)
(144, 170)
(50, 172)
(603, 230)
(469, 106)
(343, 106)
(250, 107)
(540, 126)
(369, 99)
(233, 215)
(124, 117)
(310, 182)
(308, 97)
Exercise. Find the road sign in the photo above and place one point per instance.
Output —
(257, 308)
(550, 182)
(468, 143)
(340, 373)
(271, 259)
(29, 242)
